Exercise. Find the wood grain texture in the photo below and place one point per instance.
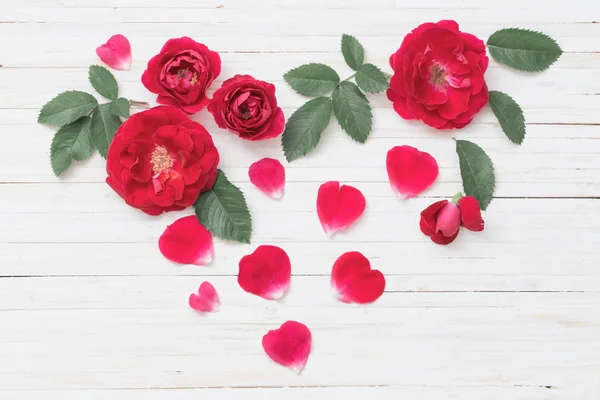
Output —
(90, 310)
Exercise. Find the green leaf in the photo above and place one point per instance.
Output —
(353, 51)
(71, 142)
(523, 49)
(120, 107)
(223, 211)
(477, 172)
(370, 79)
(509, 115)
(103, 128)
(104, 82)
(303, 129)
(67, 107)
(352, 110)
(312, 79)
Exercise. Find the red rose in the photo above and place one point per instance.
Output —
(438, 76)
(441, 220)
(248, 108)
(160, 160)
(181, 73)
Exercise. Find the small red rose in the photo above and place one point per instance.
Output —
(248, 108)
(160, 160)
(438, 76)
(181, 73)
(441, 221)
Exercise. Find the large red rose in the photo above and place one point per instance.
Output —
(181, 73)
(248, 108)
(160, 160)
(438, 76)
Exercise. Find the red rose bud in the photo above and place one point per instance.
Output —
(248, 108)
(181, 73)
(160, 160)
(441, 220)
(438, 76)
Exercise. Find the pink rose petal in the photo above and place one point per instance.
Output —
(266, 272)
(186, 241)
(206, 300)
(410, 171)
(268, 175)
(353, 280)
(116, 53)
(339, 206)
(289, 345)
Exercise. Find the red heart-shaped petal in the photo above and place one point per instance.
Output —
(186, 241)
(289, 345)
(353, 280)
(266, 272)
(116, 53)
(410, 171)
(269, 176)
(338, 207)
(206, 300)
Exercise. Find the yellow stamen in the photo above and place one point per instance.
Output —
(161, 160)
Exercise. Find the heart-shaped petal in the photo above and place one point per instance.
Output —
(186, 241)
(289, 345)
(353, 280)
(116, 53)
(268, 175)
(266, 272)
(339, 206)
(410, 171)
(206, 300)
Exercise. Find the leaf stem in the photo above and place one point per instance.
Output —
(350, 77)
(139, 104)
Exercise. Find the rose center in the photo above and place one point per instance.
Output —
(245, 112)
(437, 75)
(161, 160)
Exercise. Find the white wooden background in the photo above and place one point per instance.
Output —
(89, 309)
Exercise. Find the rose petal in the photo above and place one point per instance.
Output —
(289, 345)
(268, 175)
(410, 171)
(186, 241)
(266, 272)
(116, 53)
(353, 280)
(339, 206)
(206, 300)
(470, 213)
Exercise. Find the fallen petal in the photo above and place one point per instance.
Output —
(266, 272)
(289, 345)
(116, 52)
(339, 207)
(206, 300)
(470, 213)
(410, 171)
(353, 280)
(268, 175)
(186, 241)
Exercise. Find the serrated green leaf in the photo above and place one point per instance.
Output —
(312, 79)
(352, 110)
(223, 211)
(71, 142)
(353, 52)
(509, 115)
(371, 79)
(477, 172)
(103, 127)
(304, 128)
(67, 107)
(104, 82)
(523, 49)
(120, 107)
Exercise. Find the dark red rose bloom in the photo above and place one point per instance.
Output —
(181, 73)
(441, 220)
(160, 160)
(438, 76)
(248, 108)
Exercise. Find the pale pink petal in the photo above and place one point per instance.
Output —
(338, 207)
(206, 300)
(268, 175)
(289, 345)
(410, 171)
(116, 53)
(186, 241)
(266, 272)
(353, 280)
